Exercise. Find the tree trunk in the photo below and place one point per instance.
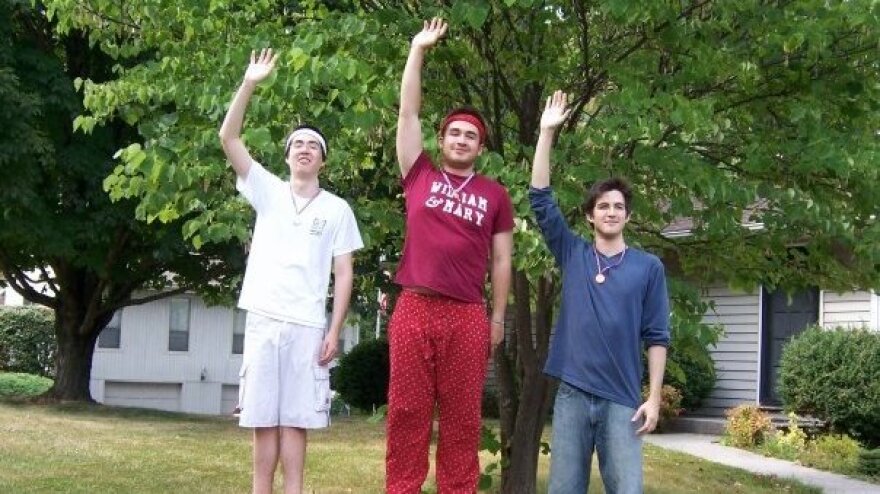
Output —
(73, 360)
(520, 476)
(525, 391)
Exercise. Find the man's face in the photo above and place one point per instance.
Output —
(460, 144)
(305, 156)
(609, 215)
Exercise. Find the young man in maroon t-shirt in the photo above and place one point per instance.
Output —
(440, 335)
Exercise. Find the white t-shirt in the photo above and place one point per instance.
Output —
(291, 256)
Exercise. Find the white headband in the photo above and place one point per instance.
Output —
(310, 133)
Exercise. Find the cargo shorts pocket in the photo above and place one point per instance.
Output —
(322, 388)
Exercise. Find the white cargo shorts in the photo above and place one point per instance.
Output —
(280, 382)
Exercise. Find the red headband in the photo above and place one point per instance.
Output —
(465, 117)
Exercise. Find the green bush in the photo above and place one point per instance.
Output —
(833, 452)
(22, 385)
(689, 365)
(835, 376)
(788, 444)
(697, 377)
(869, 462)
(27, 340)
(362, 375)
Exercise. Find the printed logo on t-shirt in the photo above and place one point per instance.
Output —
(469, 207)
(317, 227)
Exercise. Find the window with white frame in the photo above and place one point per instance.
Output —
(178, 325)
(238, 322)
(110, 335)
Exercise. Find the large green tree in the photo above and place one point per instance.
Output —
(725, 113)
(63, 243)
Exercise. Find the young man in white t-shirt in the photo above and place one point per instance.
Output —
(301, 233)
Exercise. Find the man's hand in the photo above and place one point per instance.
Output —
(261, 66)
(554, 111)
(430, 34)
(328, 348)
(650, 411)
(496, 336)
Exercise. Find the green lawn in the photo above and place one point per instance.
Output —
(77, 448)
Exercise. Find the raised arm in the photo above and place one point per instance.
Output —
(230, 132)
(409, 129)
(553, 116)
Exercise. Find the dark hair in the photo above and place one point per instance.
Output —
(602, 186)
(466, 110)
(287, 142)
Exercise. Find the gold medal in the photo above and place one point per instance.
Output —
(600, 278)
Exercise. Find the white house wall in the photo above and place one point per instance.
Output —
(143, 372)
(143, 357)
(848, 310)
(736, 355)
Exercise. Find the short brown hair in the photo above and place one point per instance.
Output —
(619, 184)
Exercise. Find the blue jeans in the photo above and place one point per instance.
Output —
(582, 423)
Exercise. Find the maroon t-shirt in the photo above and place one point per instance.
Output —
(449, 236)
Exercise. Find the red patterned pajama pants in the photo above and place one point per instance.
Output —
(439, 351)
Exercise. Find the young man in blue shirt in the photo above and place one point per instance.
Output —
(614, 301)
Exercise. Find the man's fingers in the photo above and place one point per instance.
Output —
(647, 427)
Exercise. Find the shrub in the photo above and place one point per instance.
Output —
(27, 340)
(22, 385)
(834, 452)
(697, 377)
(835, 376)
(869, 462)
(788, 444)
(747, 426)
(362, 375)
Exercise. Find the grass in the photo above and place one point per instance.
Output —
(91, 448)
(22, 385)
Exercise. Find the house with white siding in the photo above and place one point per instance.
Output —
(757, 325)
(175, 354)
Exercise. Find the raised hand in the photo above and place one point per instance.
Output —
(554, 111)
(261, 65)
(432, 31)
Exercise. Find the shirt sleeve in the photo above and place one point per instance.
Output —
(257, 185)
(422, 163)
(655, 315)
(557, 234)
(347, 237)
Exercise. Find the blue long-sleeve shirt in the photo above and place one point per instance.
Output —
(601, 328)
